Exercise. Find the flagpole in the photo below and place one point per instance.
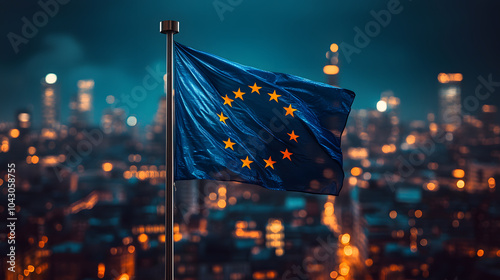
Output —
(169, 27)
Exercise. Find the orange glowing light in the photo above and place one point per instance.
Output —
(369, 262)
(334, 47)
(491, 182)
(356, 171)
(333, 274)
(107, 166)
(418, 213)
(345, 238)
(101, 269)
(131, 248)
(31, 150)
(386, 149)
(331, 69)
(221, 203)
(161, 238)
(460, 184)
(348, 250)
(450, 77)
(35, 159)
(393, 214)
(443, 78)
(431, 186)
(344, 269)
(410, 139)
(124, 276)
(271, 274)
(14, 133)
(142, 238)
(177, 237)
(480, 252)
(458, 173)
(279, 252)
(275, 226)
(259, 275)
(31, 268)
(222, 190)
(353, 181)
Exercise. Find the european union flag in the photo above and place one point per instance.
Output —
(238, 123)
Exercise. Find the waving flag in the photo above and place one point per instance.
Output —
(237, 123)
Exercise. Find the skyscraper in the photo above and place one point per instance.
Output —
(50, 103)
(84, 101)
(331, 68)
(450, 105)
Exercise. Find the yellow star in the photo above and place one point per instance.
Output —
(229, 144)
(274, 96)
(255, 88)
(246, 162)
(269, 162)
(238, 94)
(293, 136)
(227, 100)
(222, 118)
(286, 154)
(289, 110)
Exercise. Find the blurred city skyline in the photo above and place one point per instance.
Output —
(420, 149)
(405, 56)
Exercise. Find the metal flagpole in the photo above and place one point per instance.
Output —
(170, 28)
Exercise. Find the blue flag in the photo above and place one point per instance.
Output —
(238, 123)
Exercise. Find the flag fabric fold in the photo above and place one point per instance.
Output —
(238, 123)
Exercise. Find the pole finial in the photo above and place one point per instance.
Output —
(168, 26)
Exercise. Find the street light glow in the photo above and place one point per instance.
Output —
(51, 78)
(131, 121)
(381, 106)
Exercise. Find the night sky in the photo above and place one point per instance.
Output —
(113, 42)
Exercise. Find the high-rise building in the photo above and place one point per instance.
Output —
(187, 197)
(84, 101)
(23, 119)
(50, 102)
(160, 117)
(112, 121)
(450, 105)
(331, 68)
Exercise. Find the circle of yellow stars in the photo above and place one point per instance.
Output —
(246, 162)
